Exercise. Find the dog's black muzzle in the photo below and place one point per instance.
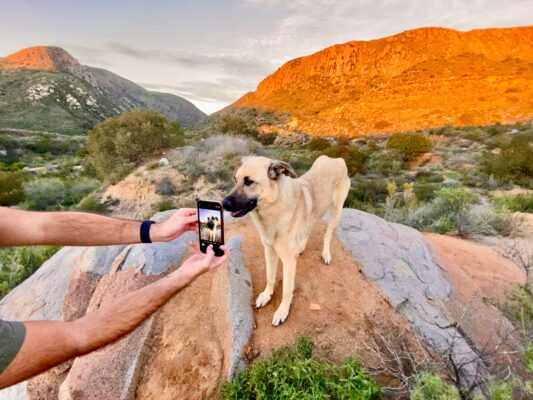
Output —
(238, 206)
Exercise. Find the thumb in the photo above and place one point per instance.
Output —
(210, 254)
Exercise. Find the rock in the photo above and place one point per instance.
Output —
(399, 261)
(239, 308)
(314, 307)
(48, 287)
(163, 162)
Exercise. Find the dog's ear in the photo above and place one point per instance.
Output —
(279, 167)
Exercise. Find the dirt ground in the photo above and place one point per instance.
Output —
(477, 273)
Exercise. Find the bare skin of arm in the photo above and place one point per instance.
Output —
(49, 343)
(26, 228)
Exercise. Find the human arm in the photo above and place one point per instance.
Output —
(27, 228)
(49, 343)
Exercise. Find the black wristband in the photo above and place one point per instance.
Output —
(145, 231)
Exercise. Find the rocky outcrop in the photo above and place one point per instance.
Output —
(384, 279)
(403, 82)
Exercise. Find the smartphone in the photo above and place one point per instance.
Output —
(210, 225)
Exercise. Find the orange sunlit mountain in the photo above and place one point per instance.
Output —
(40, 58)
(422, 78)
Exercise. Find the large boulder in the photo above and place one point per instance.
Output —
(400, 262)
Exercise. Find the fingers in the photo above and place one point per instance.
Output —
(188, 211)
(189, 219)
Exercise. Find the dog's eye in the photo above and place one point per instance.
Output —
(247, 181)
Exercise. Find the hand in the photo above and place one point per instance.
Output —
(200, 263)
(183, 220)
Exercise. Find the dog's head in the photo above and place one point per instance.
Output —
(256, 183)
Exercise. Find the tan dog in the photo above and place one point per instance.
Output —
(285, 209)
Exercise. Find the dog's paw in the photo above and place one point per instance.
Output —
(326, 257)
(281, 314)
(263, 299)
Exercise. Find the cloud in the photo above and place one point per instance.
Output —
(235, 62)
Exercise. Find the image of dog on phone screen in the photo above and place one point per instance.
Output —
(210, 225)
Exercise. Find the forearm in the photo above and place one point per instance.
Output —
(112, 321)
(25, 228)
(49, 343)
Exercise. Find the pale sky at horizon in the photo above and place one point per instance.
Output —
(212, 52)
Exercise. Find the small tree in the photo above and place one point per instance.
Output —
(11, 188)
(410, 145)
(119, 144)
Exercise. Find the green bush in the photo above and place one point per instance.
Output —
(165, 205)
(352, 155)
(425, 191)
(369, 191)
(410, 145)
(119, 144)
(318, 144)
(11, 188)
(45, 193)
(293, 373)
(17, 264)
(514, 163)
(431, 387)
(518, 203)
(519, 306)
(235, 125)
(385, 163)
(91, 203)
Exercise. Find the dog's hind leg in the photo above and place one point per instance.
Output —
(339, 196)
(271, 258)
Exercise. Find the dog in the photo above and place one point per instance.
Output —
(213, 224)
(284, 209)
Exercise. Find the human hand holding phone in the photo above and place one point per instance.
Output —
(199, 263)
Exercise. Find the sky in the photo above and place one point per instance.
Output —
(213, 52)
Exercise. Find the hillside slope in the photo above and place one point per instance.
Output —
(45, 88)
(426, 77)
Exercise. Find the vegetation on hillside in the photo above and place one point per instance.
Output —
(19, 263)
(119, 144)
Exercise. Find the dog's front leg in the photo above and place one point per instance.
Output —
(289, 275)
(271, 259)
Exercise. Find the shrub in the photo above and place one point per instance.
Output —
(293, 373)
(235, 125)
(431, 387)
(91, 203)
(45, 193)
(318, 144)
(17, 264)
(165, 187)
(519, 203)
(165, 205)
(514, 163)
(425, 191)
(11, 188)
(118, 144)
(353, 157)
(385, 163)
(410, 145)
(370, 191)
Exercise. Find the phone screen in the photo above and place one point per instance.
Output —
(210, 225)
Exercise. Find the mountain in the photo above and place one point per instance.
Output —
(421, 78)
(45, 88)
